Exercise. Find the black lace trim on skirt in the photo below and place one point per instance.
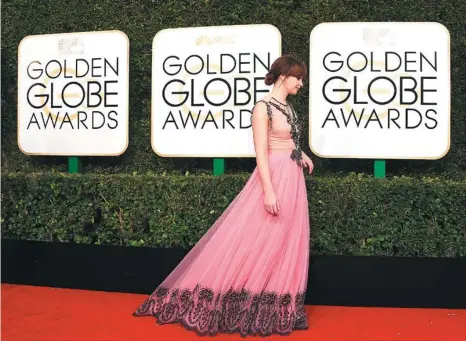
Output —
(208, 313)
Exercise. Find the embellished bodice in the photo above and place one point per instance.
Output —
(280, 132)
(284, 129)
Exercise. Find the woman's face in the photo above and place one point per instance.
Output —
(292, 84)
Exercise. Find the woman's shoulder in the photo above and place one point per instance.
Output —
(263, 102)
(263, 107)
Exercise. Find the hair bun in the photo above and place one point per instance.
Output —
(270, 78)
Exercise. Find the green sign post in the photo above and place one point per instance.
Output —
(379, 169)
(219, 167)
(74, 164)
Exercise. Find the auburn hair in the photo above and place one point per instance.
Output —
(286, 65)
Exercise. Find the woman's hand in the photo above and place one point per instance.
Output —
(271, 203)
(307, 162)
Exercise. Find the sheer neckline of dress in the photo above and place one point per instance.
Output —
(278, 102)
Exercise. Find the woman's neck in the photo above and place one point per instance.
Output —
(279, 94)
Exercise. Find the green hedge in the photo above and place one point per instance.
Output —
(142, 19)
(355, 215)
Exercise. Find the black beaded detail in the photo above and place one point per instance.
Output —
(209, 313)
(292, 119)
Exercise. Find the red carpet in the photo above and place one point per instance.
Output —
(38, 313)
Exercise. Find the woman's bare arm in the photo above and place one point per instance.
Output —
(260, 129)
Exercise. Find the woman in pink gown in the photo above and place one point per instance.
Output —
(248, 273)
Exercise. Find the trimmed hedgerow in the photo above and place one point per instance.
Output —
(354, 215)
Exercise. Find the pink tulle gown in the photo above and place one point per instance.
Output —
(248, 273)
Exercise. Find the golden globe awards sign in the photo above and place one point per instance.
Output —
(73, 94)
(205, 81)
(380, 90)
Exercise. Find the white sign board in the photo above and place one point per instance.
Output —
(205, 81)
(73, 94)
(379, 90)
